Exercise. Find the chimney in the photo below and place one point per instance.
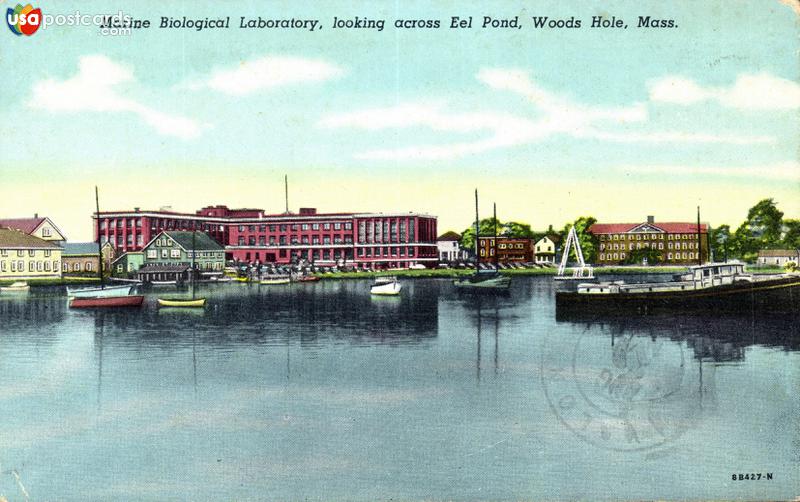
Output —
(135, 209)
(651, 219)
(35, 215)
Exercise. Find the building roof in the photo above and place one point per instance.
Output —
(202, 241)
(155, 268)
(14, 238)
(449, 236)
(79, 248)
(669, 227)
(778, 253)
(27, 225)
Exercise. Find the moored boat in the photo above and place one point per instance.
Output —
(308, 278)
(107, 301)
(102, 296)
(182, 302)
(275, 280)
(17, 287)
(483, 280)
(386, 286)
(486, 280)
(712, 287)
(101, 292)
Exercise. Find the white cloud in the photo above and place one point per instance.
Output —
(554, 114)
(761, 91)
(780, 171)
(93, 89)
(268, 72)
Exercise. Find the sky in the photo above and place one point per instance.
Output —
(550, 124)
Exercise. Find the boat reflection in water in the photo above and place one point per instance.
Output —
(718, 337)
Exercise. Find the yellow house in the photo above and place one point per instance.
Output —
(24, 256)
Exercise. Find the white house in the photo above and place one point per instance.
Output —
(449, 247)
(778, 257)
(544, 251)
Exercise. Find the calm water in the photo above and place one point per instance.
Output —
(319, 391)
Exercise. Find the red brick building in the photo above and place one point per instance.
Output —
(505, 250)
(367, 240)
(676, 242)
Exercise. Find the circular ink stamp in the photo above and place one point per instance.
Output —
(625, 392)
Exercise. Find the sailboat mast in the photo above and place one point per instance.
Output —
(99, 240)
(699, 240)
(194, 247)
(477, 228)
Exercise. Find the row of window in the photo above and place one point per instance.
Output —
(283, 240)
(385, 251)
(386, 231)
(120, 222)
(670, 245)
(33, 266)
(670, 256)
(347, 225)
(78, 267)
(31, 252)
(121, 240)
(645, 237)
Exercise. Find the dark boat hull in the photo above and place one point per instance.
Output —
(776, 295)
(100, 302)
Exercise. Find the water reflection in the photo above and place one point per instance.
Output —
(718, 338)
(309, 314)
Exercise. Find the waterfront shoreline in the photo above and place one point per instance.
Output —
(435, 273)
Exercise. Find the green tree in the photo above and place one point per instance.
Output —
(791, 234)
(720, 240)
(589, 242)
(638, 256)
(765, 223)
(517, 230)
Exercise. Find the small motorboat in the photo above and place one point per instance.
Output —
(17, 287)
(386, 286)
(308, 278)
(275, 280)
(182, 302)
(106, 301)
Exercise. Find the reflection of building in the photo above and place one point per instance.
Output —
(449, 247)
(545, 249)
(42, 228)
(368, 240)
(778, 257)
(127, 264)
(82, 257)
(505, 249)
(169, 256)
(24, 256)
(675, 243)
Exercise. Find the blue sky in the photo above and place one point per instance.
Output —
(550, 124)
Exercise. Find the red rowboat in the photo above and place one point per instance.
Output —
(100, 302)
(308, 278)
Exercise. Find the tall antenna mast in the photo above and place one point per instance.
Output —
(286, 191)
(99, 240)
(477, 230)
(699, 240)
